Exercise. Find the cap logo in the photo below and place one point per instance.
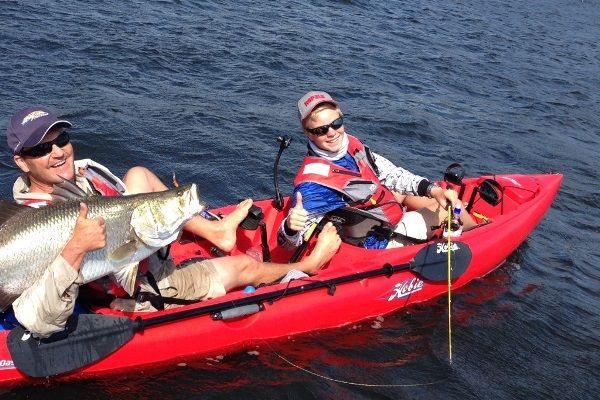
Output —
(313, 98)
(33, 116)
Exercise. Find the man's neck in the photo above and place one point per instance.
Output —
(36, 186)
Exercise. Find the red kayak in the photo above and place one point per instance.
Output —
(357, 284)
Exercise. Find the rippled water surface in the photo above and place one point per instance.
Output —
(204, 88)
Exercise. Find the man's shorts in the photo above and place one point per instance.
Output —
(412, 225)
(197, 281)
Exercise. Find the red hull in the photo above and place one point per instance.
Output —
(526, 199)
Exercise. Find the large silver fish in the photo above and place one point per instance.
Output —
(136, 226)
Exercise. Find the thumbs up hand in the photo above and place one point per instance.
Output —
(88, 234)
(298, 216)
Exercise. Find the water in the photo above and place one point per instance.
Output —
(204, 88)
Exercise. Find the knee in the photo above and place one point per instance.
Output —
(136, 173)
(141, 180)
(247, 264)
(248, 269)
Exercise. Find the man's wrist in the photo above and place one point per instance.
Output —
(430, 188)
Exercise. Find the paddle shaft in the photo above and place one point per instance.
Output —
(428, 263)
(387, 270)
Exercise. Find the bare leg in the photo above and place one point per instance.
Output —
(435, 215)
(417, 202)
(236, 271)
(142, 180)
(468, 221)
(221, 233)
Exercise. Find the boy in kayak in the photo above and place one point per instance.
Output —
(42, 150)
(339, 171)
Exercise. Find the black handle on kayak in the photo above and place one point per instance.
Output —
(284, 142)
(91, 337)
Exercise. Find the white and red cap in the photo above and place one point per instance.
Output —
(311, 100)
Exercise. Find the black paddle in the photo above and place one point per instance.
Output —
(90, 337)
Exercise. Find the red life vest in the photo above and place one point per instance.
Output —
(101, 184)
(362, 189)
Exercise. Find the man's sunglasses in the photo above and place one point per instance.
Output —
(322, 130)
(45, 148)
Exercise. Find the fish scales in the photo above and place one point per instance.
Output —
(33, 238)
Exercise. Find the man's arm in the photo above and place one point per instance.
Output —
(44, 307)
(399, 179)
(404, 182)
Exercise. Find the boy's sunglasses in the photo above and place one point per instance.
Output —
(45, 148)
(322, 130)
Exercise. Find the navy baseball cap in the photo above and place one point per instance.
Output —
(28, 127)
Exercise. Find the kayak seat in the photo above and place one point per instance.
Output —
(355, 225)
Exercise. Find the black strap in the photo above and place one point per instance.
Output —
(371, 160)
(160, 301)
(157, 300)
(163, 253)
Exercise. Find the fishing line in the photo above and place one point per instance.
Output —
(324, 377)
(351, 382)
(450, 213)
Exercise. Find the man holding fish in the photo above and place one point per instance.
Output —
(82, 241)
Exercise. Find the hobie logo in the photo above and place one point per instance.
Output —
(443, 247)
(6, 364)
(405, 288)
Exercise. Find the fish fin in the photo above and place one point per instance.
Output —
(125, 251)
(67, 190)
(126, 277)
(9, 209)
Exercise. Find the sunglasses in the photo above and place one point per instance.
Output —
(45, 148)
(322, 130)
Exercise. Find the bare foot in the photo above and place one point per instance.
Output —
(225, 235)
(327, 245)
